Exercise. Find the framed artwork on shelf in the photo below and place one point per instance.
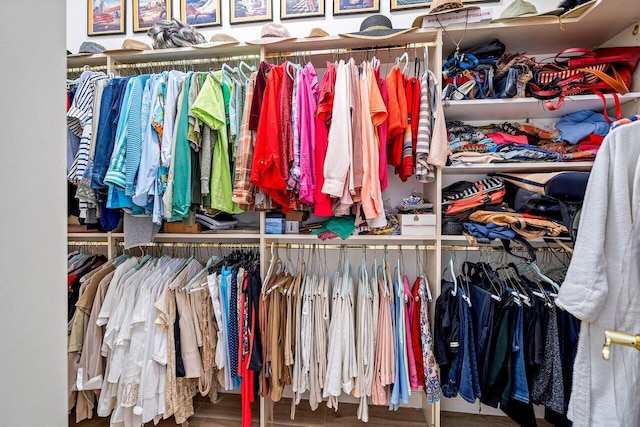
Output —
(343, 7)
(148, 12)
(292, 9)
(105, 17)
(200, 13)
(244, 11)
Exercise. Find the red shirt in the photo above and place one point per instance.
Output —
(323, 121)
(265, 166)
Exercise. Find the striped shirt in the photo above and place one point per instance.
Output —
(243, 190)
(428, 104)
(80, 121)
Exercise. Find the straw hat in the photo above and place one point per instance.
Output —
(272, 33)
(439, 7)
(317, 32)
(130, 46)
(216, 40)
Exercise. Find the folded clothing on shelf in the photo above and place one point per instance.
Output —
(220, 221)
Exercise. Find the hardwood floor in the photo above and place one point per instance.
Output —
(226, 413)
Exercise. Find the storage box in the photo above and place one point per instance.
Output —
(417, 224)
(179, 227)
(275, 224)
(292, 227)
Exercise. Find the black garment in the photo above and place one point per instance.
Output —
(180, 371)
(499, 370)
(446, 334)
(255, 360)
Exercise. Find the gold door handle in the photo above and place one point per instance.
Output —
(615, 337)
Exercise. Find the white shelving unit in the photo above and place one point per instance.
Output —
(605, 20)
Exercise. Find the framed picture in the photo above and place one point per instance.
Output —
(409, 4)
(148, 12)
(243, 11)
(200, 13)
(105, 17)
(292, 9)
(343, 7)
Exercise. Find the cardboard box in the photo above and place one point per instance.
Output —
(179, 227)
(417, 224)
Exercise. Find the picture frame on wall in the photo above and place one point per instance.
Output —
(200, 13)
(415, 4)
(105, 17)
(293, 9)
(245, 11)
(344, 7)
(148, 12)
(409, 4)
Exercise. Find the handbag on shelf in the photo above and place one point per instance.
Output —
(580, 71)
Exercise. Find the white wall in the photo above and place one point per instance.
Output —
(33, 215)
(77, 21)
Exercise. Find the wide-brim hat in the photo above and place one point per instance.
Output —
(439, 7)
(377, 27)
(217, 40)
(130, 46)
(88, 48)
(272, 33)
(521, 9)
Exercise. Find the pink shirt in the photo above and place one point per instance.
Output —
(413, 373)
(307, 108)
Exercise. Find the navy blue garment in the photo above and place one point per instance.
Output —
(483, 312)
(469, 385)
(110, 104)
(109, 218)
(520, 387)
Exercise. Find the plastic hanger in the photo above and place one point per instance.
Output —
(200, 273)
(423, 273)
(241, 70)
(230, 72)
(404, 58)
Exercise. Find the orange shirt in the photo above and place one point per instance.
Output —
(398, 118)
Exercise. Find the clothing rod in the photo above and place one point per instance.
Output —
(185, 62)
(86, 68)
(499, 248)
(196, 245)
(350, 246)
(86, 243)
(343, 51)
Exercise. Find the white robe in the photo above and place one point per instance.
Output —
(601, 280)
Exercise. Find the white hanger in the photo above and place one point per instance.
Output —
(200, 273)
